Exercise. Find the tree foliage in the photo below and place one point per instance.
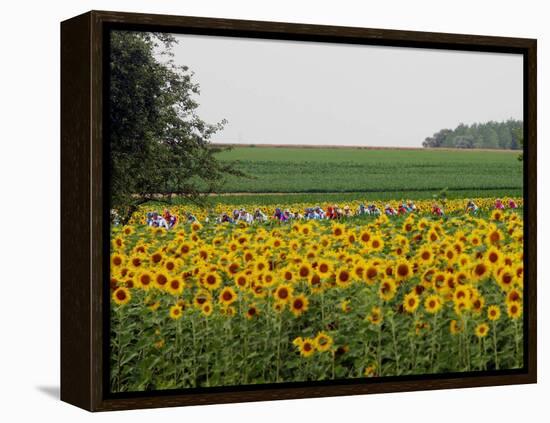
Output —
(159, 146)
(495, 135)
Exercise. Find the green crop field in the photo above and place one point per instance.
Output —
(377, 173)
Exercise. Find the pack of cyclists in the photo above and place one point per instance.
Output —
(168, 220)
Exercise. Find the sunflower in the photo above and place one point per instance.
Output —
(427, 278)
(294, 245)
(299, 305)
(494, 236)
(241, 280)
(425, 255)
(494, 256)
(514, 295)
(207, 309)
(462, 293)
(128, 230)
(117, 260)
(387, 289)
(439, 281)
(375, 316)
(212, 280)
(227, 296)
(287, 274)
(410, 302)
(233, 268)
(175, 286)
(455, 327)
(478, 302)
(482, 330)
(184, 248)
(307, 347)
(145, 279)
(315, 282)
(464, 260)
(156, 257)
(136, 262)
(370, 371)
(433, 235)
(493, 312)
(351, 238)
(201, 297)
(408, 225)
(387, 268)
(497, 215)
(433, 304)
(182, 304)
(506, 279)
(152, 304)
(259, 291)
(365, 236)
(261, 264)
(268, 278)
(403, 270)
(118, 243)
(175, 312)
(480, 271)
(358, 269)
(343, 278)
(475, 239)
(204, 253)
(170, 265)
(450, 255)
(514, 310)
(338, 230)
(377, 243)
(450, 283)
(324, 267)
(371, 273)
(228, 311)
(323, 341)
(345, 306)
(304, 270)
(161, 279)
(251, 312)
(122, 296)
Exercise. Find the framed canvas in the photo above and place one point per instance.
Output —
(258, 211)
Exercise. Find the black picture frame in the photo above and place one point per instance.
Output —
(84, 203)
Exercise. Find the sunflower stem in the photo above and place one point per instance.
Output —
(396, 353)
(432, 346)
(119, 352)
(194, 337)
(322, 308)
(278, 349)
(379, 351)
(207, 350)
(467, 344)
(413, 343)
(495, 344)
(516, 339)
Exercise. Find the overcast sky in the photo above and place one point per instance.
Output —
(286, 92)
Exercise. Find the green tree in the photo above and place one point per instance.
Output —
(478, 135)
(504, 137)
(159, 145)
(490, 138)
(517, 134)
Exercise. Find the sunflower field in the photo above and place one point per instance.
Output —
(206, 305)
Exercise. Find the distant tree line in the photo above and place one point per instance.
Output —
(502, 135)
